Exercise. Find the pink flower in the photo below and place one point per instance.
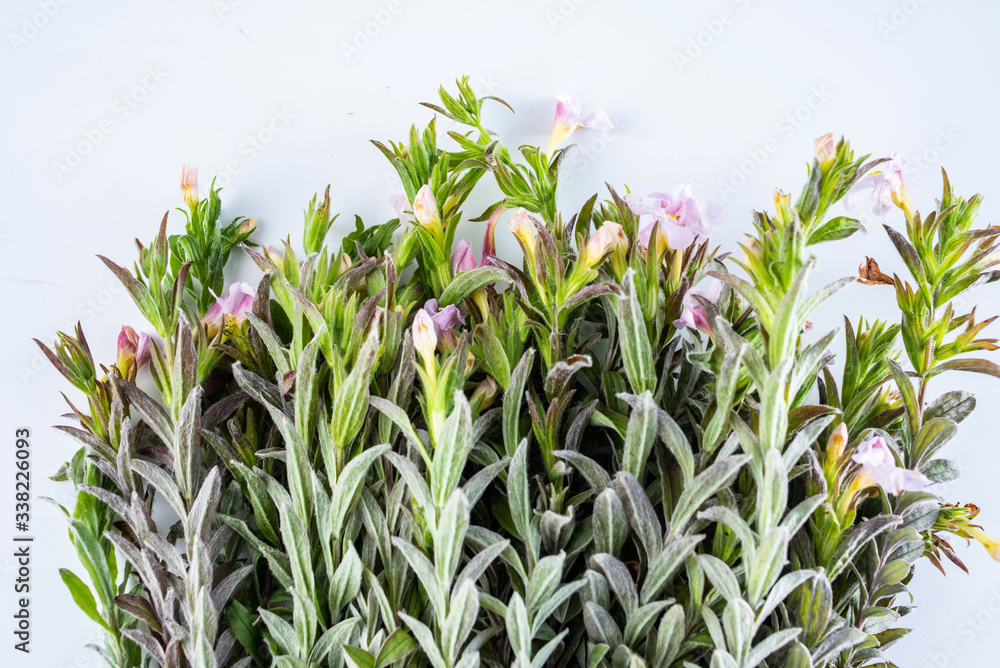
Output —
(608, 238)
(445, 319)
(462, 257)
(133, 348)
(402, 207)
(826, 148)
(678, 217)
(694, 314)
(236, 305)
(189, 185)
(886, 184)
(570, 118)
(879, 464)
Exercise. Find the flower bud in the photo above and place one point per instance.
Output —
(247, 227)
(424, 338)
(607, 239)
(425, 208)
(524, 229)
(826, 148)
(189, 185)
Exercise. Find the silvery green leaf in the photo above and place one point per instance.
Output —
(517, 491)
(468, 660)
(306, 388)
(803, 439)
(512, 398)
(798, 657)
(722, 578)
(477, 484)
(494, 356)
(397, 646)
(518, 628)
(449, 538)
(619, 579)
(464, 608)
(808, 365)
(597, 654)
(295, 534)
(345, 491)
(562, 372)
(737, 620)
(281, 631)
(722, 659)
(942, 470)
(772, 495)
(934, 434)
(452, 450)
(836, 642)
(425, 637)
(609, 522)
(641, 621)
(547, 650)
(346, 581)
(705, 485)
(333, 637)
(781, 590)
(402, 421)
(419, 490)
(800, 514)
(350, 405)
(788, 318)
(767, 564)
(729, 517)
(640, 513)
(305, 618)
(147, 643)
(595, 474)
(637, 353)
(163, 483)
(273, 344)
(467, 282)
(669, 635)
(856, 538)
(223, 592)
(547, 607)
(640, 434)
(481, 561)
(151, 412)
(725, 391)
(600, 625)
(771, 644)
(426, 573)
(595, 588)
(545, 579)
(955, 406)
(556, 529)
(666, 565)
(482, 538)
(774, 408)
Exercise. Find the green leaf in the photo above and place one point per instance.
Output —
(637, 354)
(82, 596)
(834, 229)
(469, 281)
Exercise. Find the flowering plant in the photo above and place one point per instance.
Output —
(622, 450)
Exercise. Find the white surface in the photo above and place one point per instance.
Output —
(914, 77)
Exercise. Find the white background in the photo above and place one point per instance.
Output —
(697, 91)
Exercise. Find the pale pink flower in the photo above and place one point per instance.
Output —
(878, 462)
(425, 208)
(462, 257)
(826, 148)
(608, 238)
(189, 185)
(402, 208)
(235, 305)
(679, 217)
(133, 348)
(445, 319)
(886, 183)
(570, 118)
(694, 314)
(424, 339)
